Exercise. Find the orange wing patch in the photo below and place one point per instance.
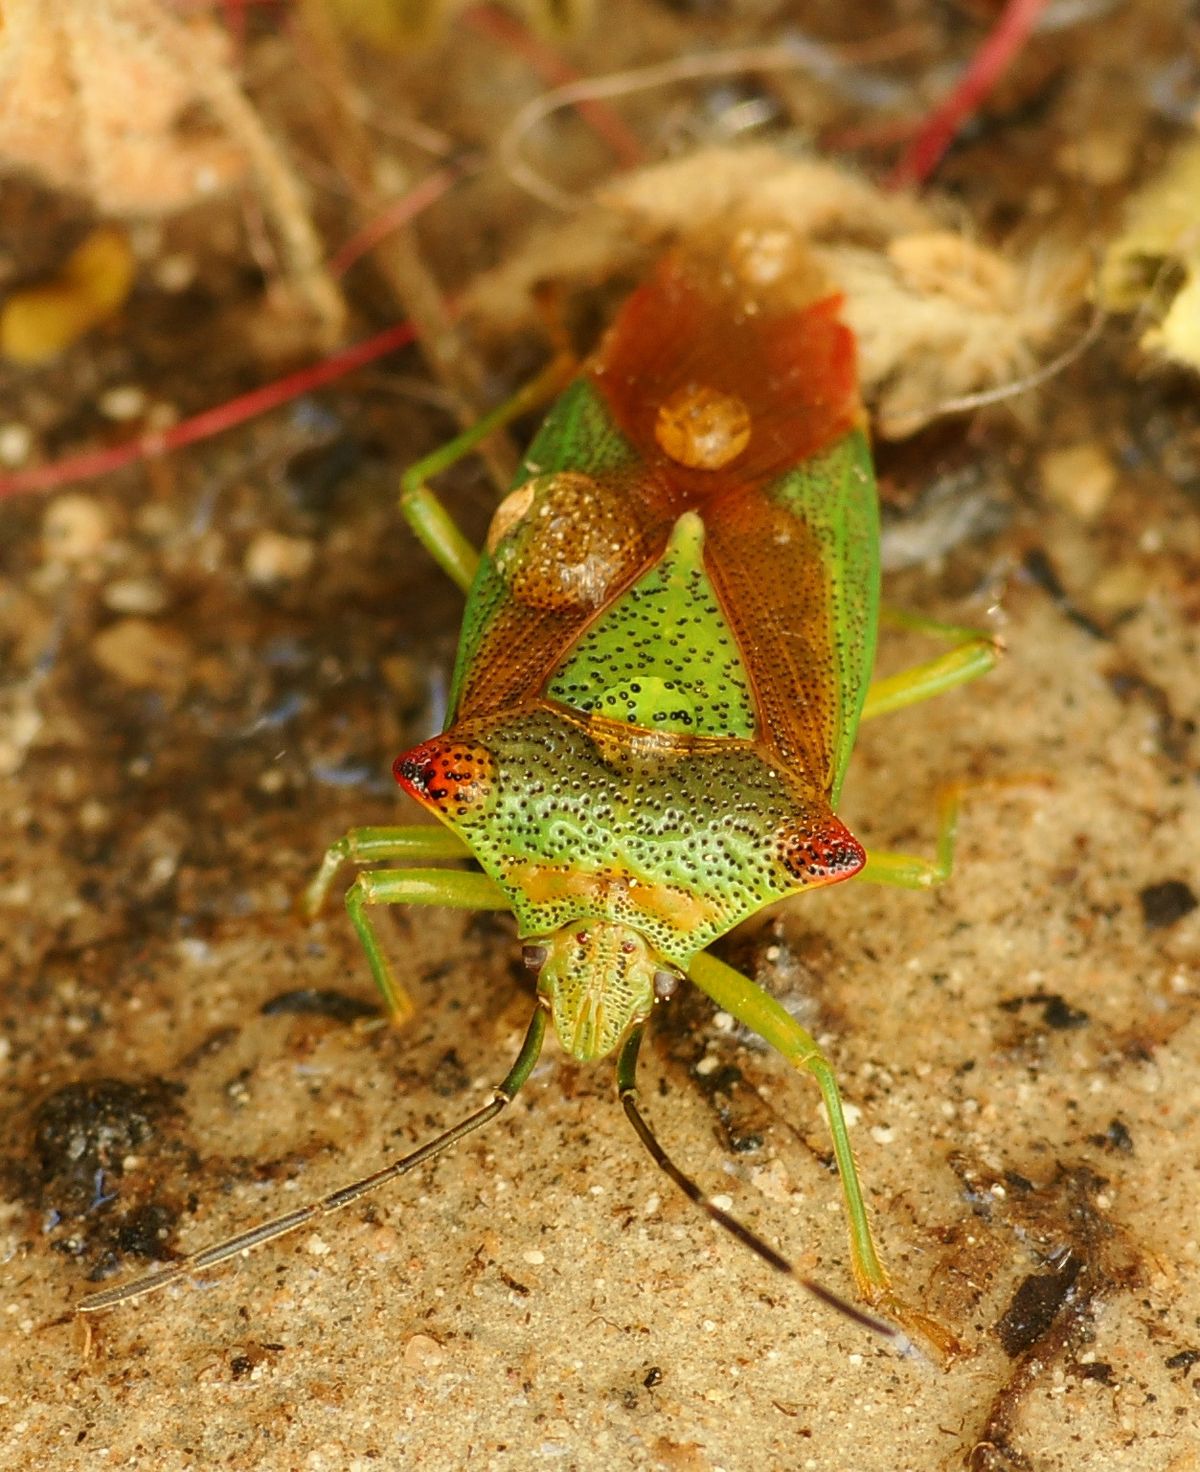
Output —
(690, 335)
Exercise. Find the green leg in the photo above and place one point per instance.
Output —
(429, 519)
(974, 653)
(910, 871)
(450, 887)
(416, 842)
(754, 1008)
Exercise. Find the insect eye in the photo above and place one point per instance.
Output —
(534, 957)
(666, 984)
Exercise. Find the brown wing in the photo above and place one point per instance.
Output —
(707, 394)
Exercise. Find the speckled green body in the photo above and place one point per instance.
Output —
(667, 646)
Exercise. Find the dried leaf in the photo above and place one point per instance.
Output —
(93, 96)
(1154, 264)
(104, 98)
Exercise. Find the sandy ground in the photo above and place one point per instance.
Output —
(1020, 1049)
(182, 1055)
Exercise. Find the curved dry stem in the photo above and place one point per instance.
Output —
(778, 58)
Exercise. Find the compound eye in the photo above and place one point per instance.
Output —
(666, 984)
(534, 957)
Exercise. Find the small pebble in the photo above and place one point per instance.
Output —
(422, 1352)
(1122, 586)
(157, 519)
(136, 595)
(144, 655)
(175, 272)
(1167, 902)
(20, 723)
(94, 817)
(1101, 156)
(773, 1181)
(123, 402)
(1079, 478)
(16, 443)
(274, 558)
(74, 529)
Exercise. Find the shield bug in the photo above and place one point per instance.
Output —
(666, 652)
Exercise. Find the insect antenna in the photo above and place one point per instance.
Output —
(280, 1226)
(627, 1092)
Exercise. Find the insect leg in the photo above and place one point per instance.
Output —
(627, 1091)
(756, 1009)
(380, 845)
(449, 887)
(291, 1221)
(974, 653)
(432, 523)
(911, 871)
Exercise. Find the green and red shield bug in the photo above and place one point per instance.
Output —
(666, 652)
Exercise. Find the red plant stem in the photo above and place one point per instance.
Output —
(210, 421)
(551, 68)
(888, 134)
(235, 21)
(1001, 44)
(396, 215)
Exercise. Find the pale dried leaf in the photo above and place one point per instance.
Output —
(101, 97)
(1154, 264)
(93, 94)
